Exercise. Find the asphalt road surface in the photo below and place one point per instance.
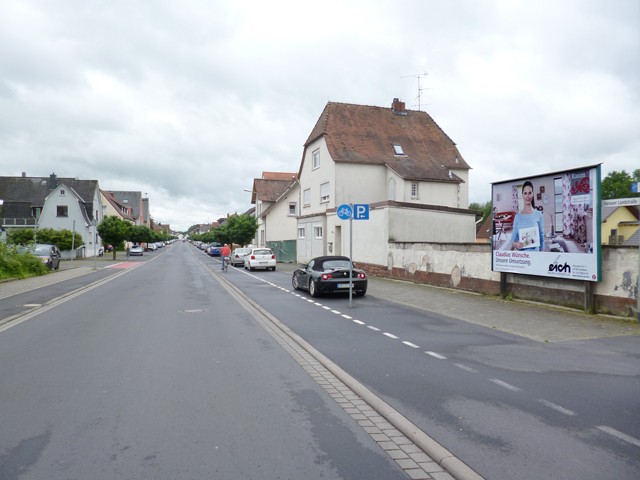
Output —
(159, 374)
(508, 406)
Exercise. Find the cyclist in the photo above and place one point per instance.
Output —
(225, 253)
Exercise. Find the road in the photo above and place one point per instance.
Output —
(507, 406)
(166, 372)
(160, 375)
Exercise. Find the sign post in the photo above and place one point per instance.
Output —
(346, 212)
(359, 211)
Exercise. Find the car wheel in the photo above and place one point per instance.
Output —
(312, 289)
(251, 269)
(273, 269)
(361, 293)
(294, 283)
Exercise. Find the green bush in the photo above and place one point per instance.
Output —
(19, 265)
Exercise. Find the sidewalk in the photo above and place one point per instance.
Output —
(539, 322)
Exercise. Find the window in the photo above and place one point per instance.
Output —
(414, 190)
(317, 232)
(301, 232)
(324, 192)
(62, 211)
(397, 149)
(316, 159)
(306, 197)
(293, 208)
(61, 192)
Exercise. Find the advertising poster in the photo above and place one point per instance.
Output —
(548, 225)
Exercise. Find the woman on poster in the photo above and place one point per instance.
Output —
(528, 226)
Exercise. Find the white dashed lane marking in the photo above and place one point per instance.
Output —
(505, 385)
(436, 355)
(557, 408)
(465, 368)
(619, 435)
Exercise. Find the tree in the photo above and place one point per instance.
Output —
(64, 239)
(140, 234)
(240, 229)
(114, 230)
(484, 209)
(20, 236)
(618, 184)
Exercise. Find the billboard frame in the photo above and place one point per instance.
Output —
(549, 227)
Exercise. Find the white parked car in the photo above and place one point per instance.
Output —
(260, 258)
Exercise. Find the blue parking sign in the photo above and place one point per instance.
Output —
(361, 211)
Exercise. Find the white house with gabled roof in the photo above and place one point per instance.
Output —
(399, 163)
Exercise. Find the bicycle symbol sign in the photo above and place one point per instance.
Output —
(344, 212)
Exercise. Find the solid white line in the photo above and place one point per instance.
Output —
(412, 345)
(346, 316)
(465, 368)
(373, 328)
(358, 322)
(619, 435)
(557, 408)
(436, 355)
(505, 385)
(390, 335)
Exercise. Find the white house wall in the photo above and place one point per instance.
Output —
(419, 225)
(370, 237)
(49, 216)
(314, 178)
(279, 224)
(310, 246)
(357, 183)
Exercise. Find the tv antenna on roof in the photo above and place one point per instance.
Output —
(418, 76)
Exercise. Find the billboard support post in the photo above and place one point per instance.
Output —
(503, 284)
(589, 297)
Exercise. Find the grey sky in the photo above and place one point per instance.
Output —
(188, 101)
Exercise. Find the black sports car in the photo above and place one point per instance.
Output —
(329, 274)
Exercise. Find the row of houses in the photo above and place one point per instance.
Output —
(397, 161)
(67, 203)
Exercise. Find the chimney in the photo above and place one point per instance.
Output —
(53, 181)
(24, 174)
(398, 106)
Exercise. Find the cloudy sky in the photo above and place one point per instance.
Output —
(188, 101)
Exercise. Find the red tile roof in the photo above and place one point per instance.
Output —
(366, 134)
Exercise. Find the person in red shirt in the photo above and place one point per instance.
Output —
(225, 253)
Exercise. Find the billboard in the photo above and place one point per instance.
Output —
(548, 225)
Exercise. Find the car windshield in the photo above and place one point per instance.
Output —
(263, 251)
(333, 264)
(241, 251)
(42, 250)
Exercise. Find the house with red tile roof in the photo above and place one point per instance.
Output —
(276, 208)
(400, 163)
(112, 207)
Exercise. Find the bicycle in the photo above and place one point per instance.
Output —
(225, 263)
